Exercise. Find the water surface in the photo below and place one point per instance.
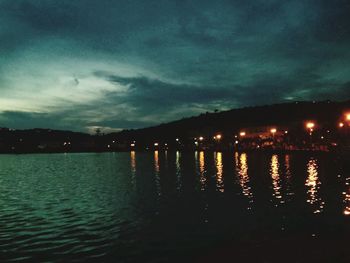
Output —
(172, 206)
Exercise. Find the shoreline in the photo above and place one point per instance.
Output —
(278, 151)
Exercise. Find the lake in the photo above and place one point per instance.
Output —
(174, 206)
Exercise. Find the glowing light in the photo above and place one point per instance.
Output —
(242, 134)
(286, 132)
(310, 125)
(218, 136)
(201, 138)
(341, 125)
(273, 130)
(132, 144)
(156, 144)
(177, 139)
(347, 116)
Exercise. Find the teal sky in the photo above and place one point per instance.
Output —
(126, 64)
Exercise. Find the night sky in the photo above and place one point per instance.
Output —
(126, 64)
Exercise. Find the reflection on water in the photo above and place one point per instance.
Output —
(313, 183)
(156, 162)
(133, 166)
(242, 172)
(156, 171)
(276, 181)
(347, 197)
(82, 207)
(166, 159)
(219, 171)
(202, 178)
(178, 171)
(288, 173)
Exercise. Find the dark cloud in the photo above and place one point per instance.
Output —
(166, 59)
(27, 120)
(47, 15)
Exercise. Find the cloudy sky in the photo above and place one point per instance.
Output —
(79, 64)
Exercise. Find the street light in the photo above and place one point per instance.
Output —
(273, 131)
(242, 134)
(341, 125)
(347, 116)
(201, 138)
(310, 126)
(218, 137)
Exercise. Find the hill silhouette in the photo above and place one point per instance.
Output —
(294, 114)
(290, 115)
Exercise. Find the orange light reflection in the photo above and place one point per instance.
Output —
(219, 171)
(313, 184)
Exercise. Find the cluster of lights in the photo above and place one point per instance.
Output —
(217, 137)
(310, 126)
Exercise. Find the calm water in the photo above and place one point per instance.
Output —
(158, 206)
